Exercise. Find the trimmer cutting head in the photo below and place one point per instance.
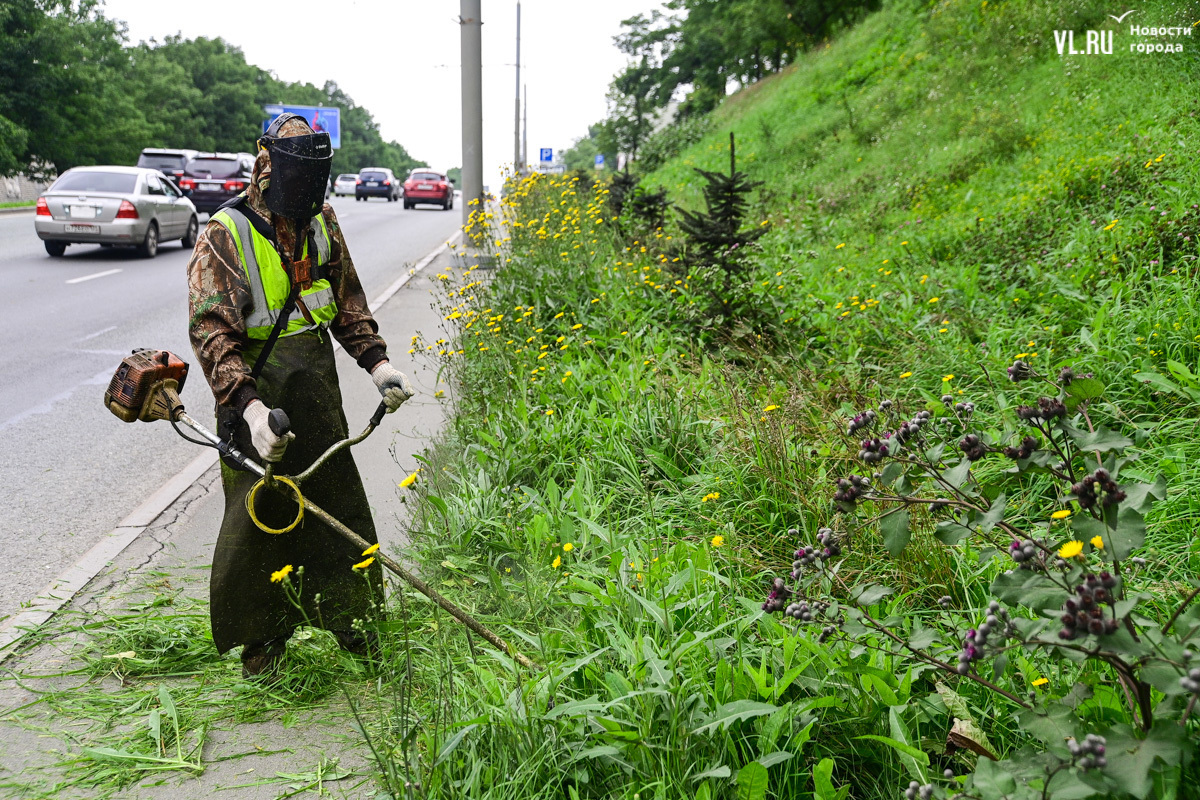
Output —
(146, 386)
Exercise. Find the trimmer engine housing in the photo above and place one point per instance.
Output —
(146, 386)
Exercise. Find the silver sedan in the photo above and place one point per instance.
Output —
(127, 206)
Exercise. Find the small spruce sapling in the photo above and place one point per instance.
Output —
(718, 247)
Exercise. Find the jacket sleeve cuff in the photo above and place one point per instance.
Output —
(242, 398)
(372, 356)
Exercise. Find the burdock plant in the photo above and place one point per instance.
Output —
(1067, 597)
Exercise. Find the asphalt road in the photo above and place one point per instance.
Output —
(70, 470)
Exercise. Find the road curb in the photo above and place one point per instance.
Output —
(63, 588)
(20, 210)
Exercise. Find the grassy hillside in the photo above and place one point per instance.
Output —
(947, 193)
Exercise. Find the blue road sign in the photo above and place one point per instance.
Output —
(547, 155)
(599, 159)
(321, 118)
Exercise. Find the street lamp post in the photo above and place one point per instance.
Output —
(471, 28)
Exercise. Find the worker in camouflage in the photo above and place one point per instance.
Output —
(299, 376)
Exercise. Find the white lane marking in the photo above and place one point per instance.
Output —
(97, 333)
(94, 275)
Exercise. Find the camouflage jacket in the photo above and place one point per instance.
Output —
(219, 299)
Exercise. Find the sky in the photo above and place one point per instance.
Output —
(400, 60)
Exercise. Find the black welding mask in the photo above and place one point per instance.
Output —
(299, 170)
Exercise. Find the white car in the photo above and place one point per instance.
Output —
(345, 184)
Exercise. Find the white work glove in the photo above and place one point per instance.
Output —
(392, 384)
(269, 446)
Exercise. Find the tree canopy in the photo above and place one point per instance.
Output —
(74, 92)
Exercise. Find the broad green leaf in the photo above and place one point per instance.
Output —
(1140, 495)
(993, 515)
(900, 747)
(822, 773)
(1085, 389)
(1029, 589)
(894, 527)
(733, 712)
(956, 475)
(1053, 726)
(703, 793)
(950, 532)
(871, 594)
(1099, 441)
(915, 765)
(752, 782)
(770, 760)
(1132, 762)
(719, 771)
(890, 473)
(993, 779)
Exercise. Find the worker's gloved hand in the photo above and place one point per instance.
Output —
(392, 384)
(269, 446)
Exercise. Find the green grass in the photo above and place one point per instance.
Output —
(21, 204)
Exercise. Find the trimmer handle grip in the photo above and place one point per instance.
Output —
(377, 417)
(278, 421)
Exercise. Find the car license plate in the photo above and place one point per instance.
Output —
(425, 186)
(372, 183)
(79, 227)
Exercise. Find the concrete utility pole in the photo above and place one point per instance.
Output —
(518, 167)
(525, 132)
(471, 27)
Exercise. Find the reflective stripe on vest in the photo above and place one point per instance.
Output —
(269, 283)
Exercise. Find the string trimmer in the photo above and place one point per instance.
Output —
(146, 387)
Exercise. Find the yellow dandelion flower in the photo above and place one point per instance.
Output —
(371, 550)
(1061, 514)
(1041, 682)
(364, 564)
(279, 575)
(1097, 543)
(1070, 549)
(905, 374)
(409, 481)
(947, 378)
(710, 496)
(568, 547)
(717, 541)
(549, 412)
(556, 563)
(934, 299)
(840, 246)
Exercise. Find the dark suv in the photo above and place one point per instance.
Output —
(170, 163)
(213, 178)
(377, 182)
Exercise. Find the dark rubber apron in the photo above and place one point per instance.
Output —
(300, 377)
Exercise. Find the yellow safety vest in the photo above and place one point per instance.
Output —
(269, 282)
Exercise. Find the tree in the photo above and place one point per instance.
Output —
(63, 86)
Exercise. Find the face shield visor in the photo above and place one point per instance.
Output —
(299, 173)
